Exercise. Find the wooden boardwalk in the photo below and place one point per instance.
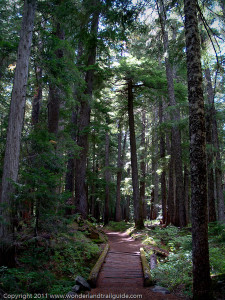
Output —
(121, 275)
(122, 267)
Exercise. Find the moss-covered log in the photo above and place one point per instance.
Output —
(153, 261)
(146, 270)
(92, 279)
(157, 251)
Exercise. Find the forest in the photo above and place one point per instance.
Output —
(112, 118)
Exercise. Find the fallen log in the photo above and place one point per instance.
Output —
(157, 251)
(148, 281)
(92, 279)
(153, 261)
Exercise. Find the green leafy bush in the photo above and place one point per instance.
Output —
(217, 233)
(74, 255)
(177, 270)
(17, 280)
(217, 260)
(49, 265)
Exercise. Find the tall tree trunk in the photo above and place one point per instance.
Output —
(215, 140)
(55, 92)
(162, 156)
(138, 210)
(15, 124)
(36, 104)
(70, 172)
(120, 159)
(143, 165)
(209, 149)
(155, 178)
(186, 193)
(84, 122)
(180, 214)
(170, 198)
(96, 205)
(118, 217)
(93, 185)
(127, 205)
(200, 250)
(127, 209)
(107, 180)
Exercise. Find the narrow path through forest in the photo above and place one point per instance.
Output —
(121, 274)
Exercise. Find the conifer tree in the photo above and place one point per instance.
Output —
(200, 250)
(16, 117)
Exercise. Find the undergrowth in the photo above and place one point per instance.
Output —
(50, 265)
(175, 271)
(118, 226)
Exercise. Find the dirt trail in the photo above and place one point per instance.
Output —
(121, 274)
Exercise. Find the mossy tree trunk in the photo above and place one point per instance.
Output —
(200, 251)
(138, 208)
(84, 118)
(55, 92)
(15, 125)
(162, 156)
(107, 179)
(180, 213)
(209, 149)
(143, 164)
(120, 162)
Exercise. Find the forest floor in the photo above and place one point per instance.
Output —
(121, 275)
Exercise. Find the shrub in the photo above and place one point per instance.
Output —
(217, 260)
(177, 270)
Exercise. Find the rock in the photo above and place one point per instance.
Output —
(82, 283)
(76, 288)
(160, 289)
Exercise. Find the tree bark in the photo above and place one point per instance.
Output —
(186, 193)
(120, 159)
(143, 165)
(200, 251)
(118, 217)
(127, 209)
(15, 123)
(170, 199)
(127, 205)
(215, 141)
(155, 178)
(107, 180)
(70, 172)
(36, 104)
(138, 210)
(55, 92)
(209, 149)
(162, 156)
(93, 184)
(84, 122)
(180, 214)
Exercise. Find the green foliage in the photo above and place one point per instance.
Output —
(217, 260)
(74, 254)
(177, 270)
(118, 226)
(217, 233)
(18, 280)
(50, 265)
(217, 247)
